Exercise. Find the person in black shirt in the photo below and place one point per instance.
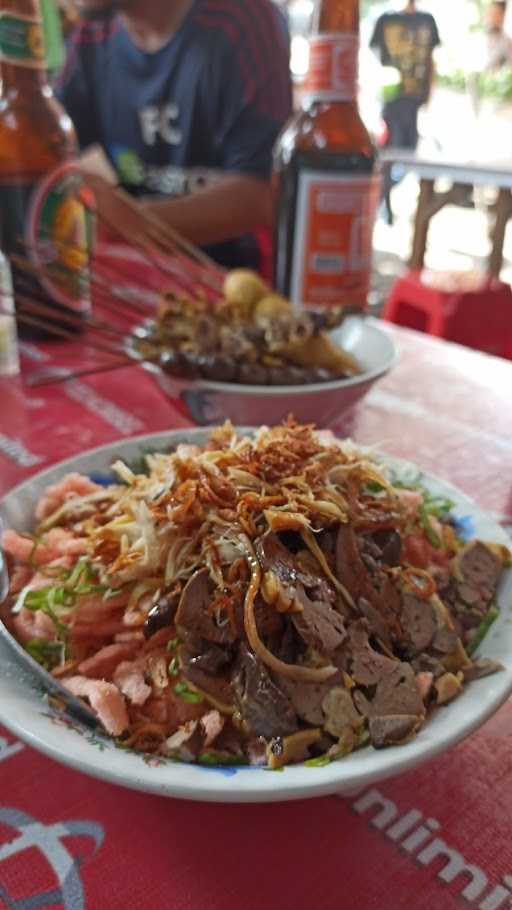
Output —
(186, 99)
(405, 41)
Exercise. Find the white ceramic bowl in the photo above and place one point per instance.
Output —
(322, 403)
(24, 711)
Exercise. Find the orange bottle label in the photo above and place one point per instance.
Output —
(332, 71)
(333, 238)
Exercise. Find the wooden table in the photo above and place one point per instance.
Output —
(463, 174)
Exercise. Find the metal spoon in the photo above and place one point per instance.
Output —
(77, 708)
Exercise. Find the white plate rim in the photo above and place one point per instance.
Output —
(257, 785)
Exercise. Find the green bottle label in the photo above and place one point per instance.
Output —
(22, 40)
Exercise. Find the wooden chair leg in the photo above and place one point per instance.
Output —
(503, 214)
(422, 223)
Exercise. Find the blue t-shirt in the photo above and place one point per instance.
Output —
(211, 101)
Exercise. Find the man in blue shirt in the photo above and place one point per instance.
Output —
(186, 98)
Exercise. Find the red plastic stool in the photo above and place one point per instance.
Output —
(480, 318)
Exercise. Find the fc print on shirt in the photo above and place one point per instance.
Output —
(159, 125)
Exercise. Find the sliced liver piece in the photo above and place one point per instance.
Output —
(419, 622)
(392, 730)
(264, 707)
(318, 624)
(193, 619)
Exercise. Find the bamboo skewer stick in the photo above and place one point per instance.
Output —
(92, 322)
(77, 374)
(107, 282)
(29, 315)
(164, 234)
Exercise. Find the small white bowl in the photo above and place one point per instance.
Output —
(322, 403)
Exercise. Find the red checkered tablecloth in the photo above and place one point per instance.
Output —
(437, 838)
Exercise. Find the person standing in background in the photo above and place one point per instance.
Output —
(498, 45)
(186, 99)
(491, 51)
(405, 41)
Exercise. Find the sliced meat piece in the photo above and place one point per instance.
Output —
(105, 700)
(419, 622)
(210, 658)
(180, 711)
(103, 664)
(479, 567)
(319, 626)
(376, 623)
(392, 730)
(425, 663)
(270, 623)
(263, 705)
(307, 698)
(389, 544)
(445, 640)
(28, 625)
(24, 548)
(475, 573)
(480, 668)
(368, 666)
(185, 742)
(216, 685)
(162, 614)
(273, 556)
(129, 679)
(396, 693)
(156, 709)
(291, 645)
(58, 493)
(93, 632)
(193, 619)
(376, 587)
(350, 569)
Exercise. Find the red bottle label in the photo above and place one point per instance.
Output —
(333, 65)
(333, 238)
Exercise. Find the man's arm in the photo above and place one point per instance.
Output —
(235, 205)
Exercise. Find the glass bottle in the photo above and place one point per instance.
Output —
(326, 178)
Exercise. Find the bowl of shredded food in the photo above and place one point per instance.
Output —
(252, 357)
(252, 601)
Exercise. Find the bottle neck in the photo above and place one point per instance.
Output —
(333, 68)
(336, 16)
(22, 48)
